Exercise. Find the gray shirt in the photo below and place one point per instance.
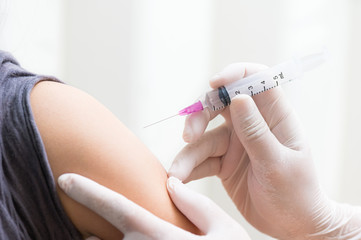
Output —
(29, 205)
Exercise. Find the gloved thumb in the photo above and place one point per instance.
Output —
(252, 130)
(199, 209)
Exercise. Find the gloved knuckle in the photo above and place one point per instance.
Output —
(254, 128)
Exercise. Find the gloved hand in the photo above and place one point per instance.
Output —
(265, 164)
(137, 223)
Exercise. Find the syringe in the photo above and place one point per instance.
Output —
(254, 84)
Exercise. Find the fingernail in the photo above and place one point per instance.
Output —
(172, 184)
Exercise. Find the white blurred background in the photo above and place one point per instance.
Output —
(145, 60)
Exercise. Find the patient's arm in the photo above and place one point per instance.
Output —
(82, 136)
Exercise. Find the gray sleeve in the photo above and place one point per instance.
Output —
(30, 205)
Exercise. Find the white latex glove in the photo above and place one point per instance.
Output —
(137, 223)
(265, 164)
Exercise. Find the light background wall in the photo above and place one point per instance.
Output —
(146, 59)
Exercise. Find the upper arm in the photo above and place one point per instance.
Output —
(82, 136)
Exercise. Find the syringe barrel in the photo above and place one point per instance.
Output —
(262, 81)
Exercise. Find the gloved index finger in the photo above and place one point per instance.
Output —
(125, 215)
(199, 209)
(196, 123)
(203, 212)
(213, 143)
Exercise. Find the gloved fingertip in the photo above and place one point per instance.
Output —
(172, 184)
(187, 133)
(65, 181)
(176, 171)
(170, 173)
(241, 103)
(188, 129)
(195, 126)
(215, 78)
(242, 97)
(93, 238)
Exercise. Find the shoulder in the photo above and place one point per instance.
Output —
(72, 116)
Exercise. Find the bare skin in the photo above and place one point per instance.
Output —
(82, 136)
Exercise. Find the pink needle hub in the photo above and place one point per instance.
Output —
(195, 107)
